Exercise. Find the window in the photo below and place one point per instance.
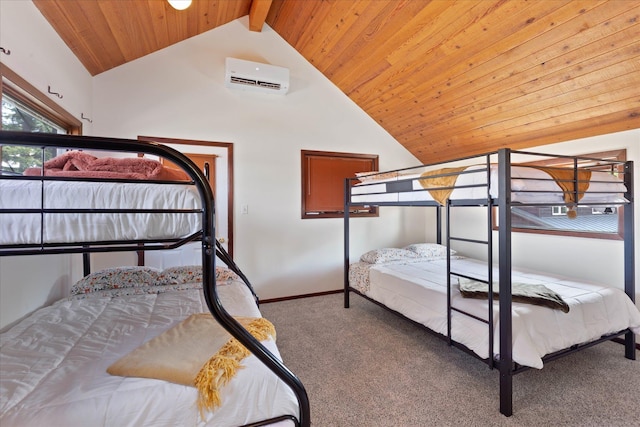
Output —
(600, 222)
(26, 109)
(323, 180)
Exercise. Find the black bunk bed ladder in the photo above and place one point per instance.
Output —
(488, 202)
(505, 361)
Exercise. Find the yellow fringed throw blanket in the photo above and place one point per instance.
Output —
(440, 195)
(565, 178)
(197, 352)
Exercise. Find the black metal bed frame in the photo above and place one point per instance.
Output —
(210, 246)
(506, 366)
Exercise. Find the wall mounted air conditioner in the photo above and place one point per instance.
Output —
(255, 76)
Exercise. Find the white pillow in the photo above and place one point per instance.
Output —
(379, 256)
(429, 250)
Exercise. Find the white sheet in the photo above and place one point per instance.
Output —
(418, 290)
(53, 366)
(60, 228)
(604, 188)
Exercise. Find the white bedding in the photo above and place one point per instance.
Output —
(418, 291)
(538, 187)
(61, 228)
(53, 366)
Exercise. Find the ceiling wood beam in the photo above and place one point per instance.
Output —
(258, 14)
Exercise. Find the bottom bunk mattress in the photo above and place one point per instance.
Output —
(418, 290)
(54, 362)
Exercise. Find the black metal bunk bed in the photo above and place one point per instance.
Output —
(492, 199)
(206, 234)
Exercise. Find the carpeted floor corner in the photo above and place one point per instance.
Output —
(364, 366)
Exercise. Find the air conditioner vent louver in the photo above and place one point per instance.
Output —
(252, 82)
(257, 77)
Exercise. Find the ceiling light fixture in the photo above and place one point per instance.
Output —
(180, 4)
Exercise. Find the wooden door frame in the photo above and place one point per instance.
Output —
(229, 147)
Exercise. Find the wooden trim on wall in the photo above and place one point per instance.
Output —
(21, 89)
(307, 197)
(315, 294)
(229, 147)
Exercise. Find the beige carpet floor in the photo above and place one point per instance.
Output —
(364, 366)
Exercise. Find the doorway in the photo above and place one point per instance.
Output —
(217, 158)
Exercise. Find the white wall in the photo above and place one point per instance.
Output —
(179, 92)
(41, 57)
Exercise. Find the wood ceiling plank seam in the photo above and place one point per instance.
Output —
(145, 25)
(306, 25)
(498, 34)
(332, 22)
(341, 22)
(274, 11)
(505, 75)
(418, 42)
(627, 116)
(358, 62)
(207, 14)
(445, 69)
(442, 67)
(293, 19)
(235, 9)
(600, 93)
(493, 21)
(590, 60)
(158, 16)
(549, 85)
(610, 123)
(450, 21)
(178, 24)
(80, 45)
(222, 12)
(542, 121)
(124, 30)
(553, 48)
(515, 55)
(373, 28)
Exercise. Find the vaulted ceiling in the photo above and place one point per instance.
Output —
(443, 77)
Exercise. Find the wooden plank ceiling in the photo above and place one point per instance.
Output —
(443, 77)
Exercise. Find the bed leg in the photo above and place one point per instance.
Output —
(506, 391)
(346, 298)
(630, 345)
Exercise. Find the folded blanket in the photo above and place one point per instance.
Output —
(566, 180)
(82, 165)
(448, 180)
(197, 352)
(520, 292)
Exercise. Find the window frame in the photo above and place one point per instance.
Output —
(305, 155)
(612, 155)
(20, 89)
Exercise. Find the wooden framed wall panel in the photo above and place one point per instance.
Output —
(323, 176)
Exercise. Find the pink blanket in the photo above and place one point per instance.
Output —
(83, 165)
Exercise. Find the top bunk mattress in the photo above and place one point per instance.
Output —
(528, 185)
(52, 227)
